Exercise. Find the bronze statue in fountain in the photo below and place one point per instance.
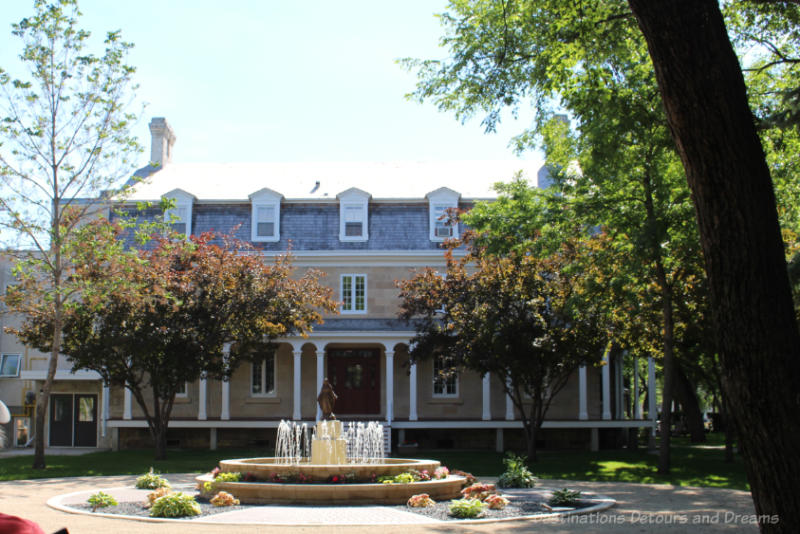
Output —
(326, 400)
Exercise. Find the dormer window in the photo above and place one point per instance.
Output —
(266, 210)
(353, 215)
(179, 217)
(441, 228)
(440, 201)
(354, 219)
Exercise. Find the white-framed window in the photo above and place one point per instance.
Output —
(353, 215)
(183, 391)
(266, 215)
(445, 379)
(9, 365)
(262, 376)
(440, 201)
(354, 293)
(179, 217)
(441, 308)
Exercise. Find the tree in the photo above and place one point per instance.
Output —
(65, 137)
(185, 301)
(514, 317)
(705, 98)
(703, 93)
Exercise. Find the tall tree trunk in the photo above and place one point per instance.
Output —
(703, 90)
(686, 394)
(39, 461)
(669, 373)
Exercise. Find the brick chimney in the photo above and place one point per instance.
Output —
(161, 140)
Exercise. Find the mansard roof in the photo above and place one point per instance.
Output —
(323, 181)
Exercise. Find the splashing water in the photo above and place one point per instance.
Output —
(364, 442)
(292, 443)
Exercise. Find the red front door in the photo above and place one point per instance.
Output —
(355, 375)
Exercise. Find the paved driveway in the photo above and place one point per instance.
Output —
(640, 508)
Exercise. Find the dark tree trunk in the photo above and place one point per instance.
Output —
(159, 433)
(666, 395)
(686, 394)
(705, 99)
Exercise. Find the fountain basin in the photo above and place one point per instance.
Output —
(320, 493)
(270, 493)
(264, 468)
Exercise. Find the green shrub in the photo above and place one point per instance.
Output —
(175, 505)
(466, 508)
(101, 500)
(402, 478)
(210, 487)
(516, 474)
(151, 480)
(564, 497)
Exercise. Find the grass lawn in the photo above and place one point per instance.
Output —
(691, 465)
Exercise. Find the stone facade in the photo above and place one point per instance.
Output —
(367, 349)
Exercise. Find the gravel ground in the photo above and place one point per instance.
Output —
(521, 505)
(138, 509)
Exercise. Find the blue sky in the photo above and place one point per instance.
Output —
(283, 80)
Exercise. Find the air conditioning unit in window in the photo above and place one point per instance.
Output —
(444, 231)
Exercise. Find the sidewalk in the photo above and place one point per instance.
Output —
(640, 508)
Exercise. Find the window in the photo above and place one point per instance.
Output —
(262, 379)
(265, 222)
(441, 227)
(354, 293)
(353, 220)
(266, 215)
(9, 365)
(443, 276)
(440, 201)
(445, 379)
(179, 217)
(183, 391)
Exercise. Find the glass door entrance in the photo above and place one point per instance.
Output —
(73, 420)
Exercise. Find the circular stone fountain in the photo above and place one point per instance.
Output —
(353, 458)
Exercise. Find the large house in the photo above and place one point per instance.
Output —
(365, 225)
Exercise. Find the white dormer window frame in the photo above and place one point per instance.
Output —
(181, 212)
(439, 202)
(353, 215)
(265, 211)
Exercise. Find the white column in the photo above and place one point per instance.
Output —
(225, 409)
(652, 412)
(498, 440)
(105, 408)
(637, 408)
(296, 386)
(606, 385)
(583, 412)
(389, 386)
(320, 376)
(126, 405)
(509, 404)
(412, 392)
(202, 414)
(487, 397)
